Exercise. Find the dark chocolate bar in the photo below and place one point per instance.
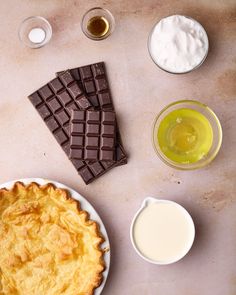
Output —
(54, 103)
(94, 82)
(93, 135)
(62, 91)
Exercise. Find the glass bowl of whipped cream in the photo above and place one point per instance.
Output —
(178, 44)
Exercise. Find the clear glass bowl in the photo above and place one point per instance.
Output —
(216, 128)
(170, 72)
(31, 23)
(97, 12)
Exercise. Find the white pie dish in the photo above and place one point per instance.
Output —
(85, 205)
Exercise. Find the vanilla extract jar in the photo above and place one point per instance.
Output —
(98, 23)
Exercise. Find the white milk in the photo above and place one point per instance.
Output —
(163, 232)
(37, 35)
(178, 44)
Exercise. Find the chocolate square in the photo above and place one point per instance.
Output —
(44, 112)
(56, 85)
(45, 92)
(63, 117)
(97, 145)
(54, 104)
(64, 98)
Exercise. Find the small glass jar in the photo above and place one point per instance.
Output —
(216, 130)
(101, 14)
(35, 32)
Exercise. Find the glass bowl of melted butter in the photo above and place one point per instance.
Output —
(98, 23)
(187, 135)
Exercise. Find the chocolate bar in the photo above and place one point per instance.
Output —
(90, 170)
(62, 91)
(94, 82)
(93, 135)
(54, 102)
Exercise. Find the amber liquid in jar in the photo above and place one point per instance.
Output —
(98, 26)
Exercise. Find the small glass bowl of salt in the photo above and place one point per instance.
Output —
(35, 32)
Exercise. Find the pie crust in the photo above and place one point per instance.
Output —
(48, 245)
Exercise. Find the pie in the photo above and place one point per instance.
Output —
(48, 245)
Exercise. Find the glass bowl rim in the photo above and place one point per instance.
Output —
(198, 164)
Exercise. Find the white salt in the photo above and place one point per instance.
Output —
(37, 35)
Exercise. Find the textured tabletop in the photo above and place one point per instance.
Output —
(140, 90)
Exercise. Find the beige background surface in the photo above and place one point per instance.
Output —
(140, 90)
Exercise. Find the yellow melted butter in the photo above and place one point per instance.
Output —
(185, 136)
(46, 246)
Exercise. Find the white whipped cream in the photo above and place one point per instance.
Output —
(178, 44)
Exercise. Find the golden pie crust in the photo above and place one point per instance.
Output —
(48, 245)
